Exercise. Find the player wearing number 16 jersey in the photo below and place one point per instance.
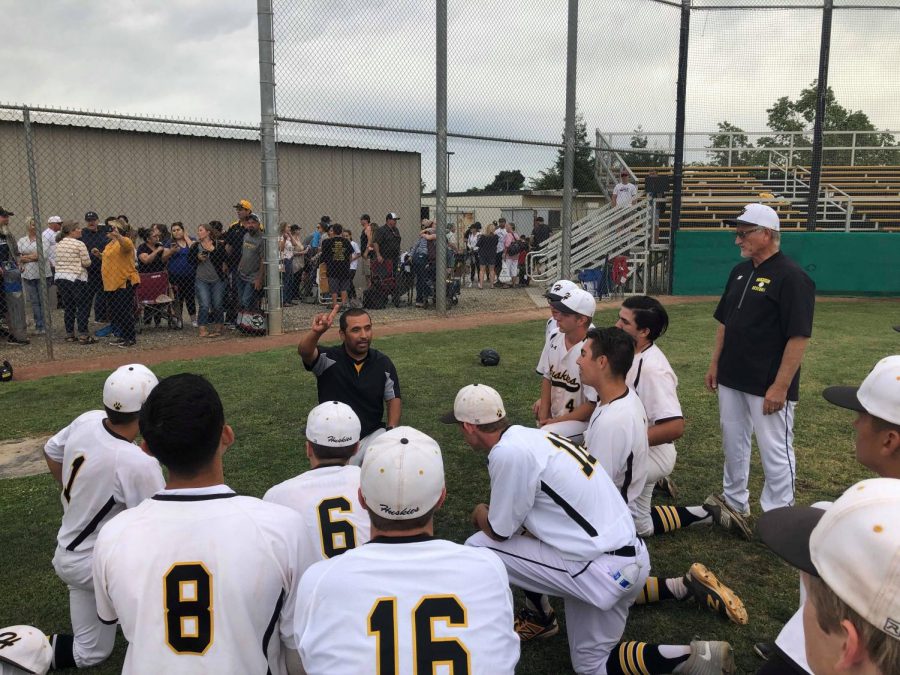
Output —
(326, 496)
(201, 579)
(101, 472)
(406, 602)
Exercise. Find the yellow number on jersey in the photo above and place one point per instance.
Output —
(187, 596)
(580, 454)
(428, 651)
(338, 536)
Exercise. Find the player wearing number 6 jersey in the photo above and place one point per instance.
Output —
(101, 472)
(406, 602)
(580, 545)
(202, 580)
(326, 496)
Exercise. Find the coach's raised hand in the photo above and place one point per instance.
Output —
(308, 346)
(322, 322)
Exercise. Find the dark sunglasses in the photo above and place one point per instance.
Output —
(743, 234)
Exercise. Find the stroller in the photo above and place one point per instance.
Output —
(384, 285)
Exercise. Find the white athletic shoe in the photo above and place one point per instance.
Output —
(708, 657)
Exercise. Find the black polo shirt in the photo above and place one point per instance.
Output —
(388, 240)
(363, 385)
(761, 308)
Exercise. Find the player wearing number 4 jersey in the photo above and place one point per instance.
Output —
(326, 496)
(101, 472)
(406, 602)
(202, 580)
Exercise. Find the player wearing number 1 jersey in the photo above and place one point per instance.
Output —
(406, 602)
(101, 472)
(326, 495)
(580, 545)
(201, 579)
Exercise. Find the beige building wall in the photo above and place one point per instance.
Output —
(155, 177)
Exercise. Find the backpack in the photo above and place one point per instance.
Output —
(515, 248)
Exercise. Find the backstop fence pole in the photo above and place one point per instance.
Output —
(43, 263)
(269, 164)
(678, 164)
(441, 158)
(565, 257)
(815, 168)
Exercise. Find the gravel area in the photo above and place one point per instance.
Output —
(296, 318)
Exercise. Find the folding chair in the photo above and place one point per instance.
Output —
(154, 300)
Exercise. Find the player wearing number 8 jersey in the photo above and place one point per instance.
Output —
(326, 495)
(101, 472)
(201, 579)
(580, 545)
(406, 602)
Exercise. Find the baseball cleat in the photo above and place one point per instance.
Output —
(529, 625)
(710, 592)
(708, 657)
(666, 486)
(727, 517)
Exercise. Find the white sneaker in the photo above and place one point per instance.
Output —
(708, 657)
(194, 323)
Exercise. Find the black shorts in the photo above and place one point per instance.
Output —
(338, 284)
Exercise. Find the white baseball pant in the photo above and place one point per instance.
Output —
(661, 462)
(94, 640)
(511, 265)
(740, 415)
(596, 606)
(364, 444)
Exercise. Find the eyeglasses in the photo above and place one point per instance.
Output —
(743, 234)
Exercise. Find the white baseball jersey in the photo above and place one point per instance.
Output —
(550, 329)
(327, 499)
(559, 492)
(617, 437)
(655, 383)
(407, 605)
(624, 194)
(558, 364)
(102, 475)
(202, 581)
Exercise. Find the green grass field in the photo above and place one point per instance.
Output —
(267, 395)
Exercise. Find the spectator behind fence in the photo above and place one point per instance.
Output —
(286, 257)
(234, 242)
(500, 229)
(299, 263)
(152, 254)
(209, 258)
(511, 250)
(336, 254)
(72, 261)
(387, 241)
(250, 267)
(181, 272)
(31, 275)
(472, 235)
(119, 279)
(487, 254)
(94, 238)
(420, 259)
(366, 241)
(355, 255)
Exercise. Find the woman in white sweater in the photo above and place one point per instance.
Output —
(72, 261)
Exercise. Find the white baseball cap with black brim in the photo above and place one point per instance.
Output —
(853, 546)
(126, 389)
(26, 649)
(756, 215)
(576, 301)
(559, 289)
(476, 404)
(878, 395)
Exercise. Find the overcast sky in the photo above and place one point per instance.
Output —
(372, 62)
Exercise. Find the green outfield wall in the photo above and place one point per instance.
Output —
(841, 263)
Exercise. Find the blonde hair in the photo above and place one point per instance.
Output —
(490, 229)
(883, 649)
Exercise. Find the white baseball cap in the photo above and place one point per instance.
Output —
(560, 288)
(128, 387)
(54, 219)
(402, 475)
(759, 215)
(476, 404)
(878, 395)
(28, 649)
(332, 424)
(576, 301)
(854, 547)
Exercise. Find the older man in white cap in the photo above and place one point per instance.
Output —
(765, 320)
(406, 602)
(849, 559)
(326, 495)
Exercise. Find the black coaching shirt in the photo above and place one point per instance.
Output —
(363, 385)
(761, 308)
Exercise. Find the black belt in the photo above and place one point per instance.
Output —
(625, 552)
